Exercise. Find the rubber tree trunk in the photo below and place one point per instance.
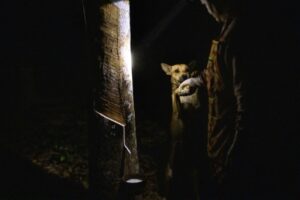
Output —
(114, 105)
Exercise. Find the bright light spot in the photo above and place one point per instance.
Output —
(127, 54)
(125, 36)
(134, 180)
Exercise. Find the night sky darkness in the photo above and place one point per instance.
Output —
(49, 38)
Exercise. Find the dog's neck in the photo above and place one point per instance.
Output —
(175, 84)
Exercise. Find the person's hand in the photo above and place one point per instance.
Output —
(188, 86)
(185, 90)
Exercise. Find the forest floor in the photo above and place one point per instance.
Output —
(55, 140)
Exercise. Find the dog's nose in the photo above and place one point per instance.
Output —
(183, 78)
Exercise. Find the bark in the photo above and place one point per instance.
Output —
(114, 99)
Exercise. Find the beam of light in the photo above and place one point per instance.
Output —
(162, 25)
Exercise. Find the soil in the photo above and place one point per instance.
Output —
(54, 140)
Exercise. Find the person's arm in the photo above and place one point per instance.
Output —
(238, 89)
(237, 65)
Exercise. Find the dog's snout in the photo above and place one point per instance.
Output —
(183, 78)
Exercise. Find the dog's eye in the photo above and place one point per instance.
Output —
(176, 71)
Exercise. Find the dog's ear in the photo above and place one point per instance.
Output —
(193, 65)
(167, 68)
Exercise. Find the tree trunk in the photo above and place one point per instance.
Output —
(114, 100)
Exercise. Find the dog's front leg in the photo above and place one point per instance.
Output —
(176, 121)
(168, 174)
(176, 132)
(175, 105)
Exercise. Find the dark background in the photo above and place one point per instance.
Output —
(45, 61)
(46, 40)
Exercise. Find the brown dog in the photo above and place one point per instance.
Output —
(184, 127)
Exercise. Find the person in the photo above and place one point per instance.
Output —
(224, 81)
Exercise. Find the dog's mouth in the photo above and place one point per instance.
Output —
(177, 81)
(182, 78)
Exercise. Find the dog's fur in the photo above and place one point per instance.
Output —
(185, 126)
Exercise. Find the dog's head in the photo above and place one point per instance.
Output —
(178, 72)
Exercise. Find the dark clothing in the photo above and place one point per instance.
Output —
(253, 110)
(225, 100)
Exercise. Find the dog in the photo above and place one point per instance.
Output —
(185, 127)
